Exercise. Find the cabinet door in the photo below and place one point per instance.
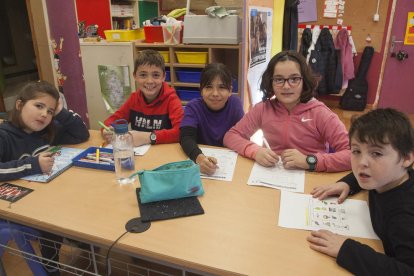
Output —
(94, 12)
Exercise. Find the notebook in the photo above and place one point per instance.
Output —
(63, 160)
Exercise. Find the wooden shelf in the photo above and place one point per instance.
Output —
(227, 54)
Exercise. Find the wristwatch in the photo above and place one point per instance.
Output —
(153, 138)
(311, 160)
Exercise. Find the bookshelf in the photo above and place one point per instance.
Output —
(227, 54)
(124, 14)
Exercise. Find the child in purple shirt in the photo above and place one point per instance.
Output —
(208, 118)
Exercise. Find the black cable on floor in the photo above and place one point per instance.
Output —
(109, 251)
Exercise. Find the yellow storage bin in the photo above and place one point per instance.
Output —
(192, 57)
(124, 35)
(165, 55)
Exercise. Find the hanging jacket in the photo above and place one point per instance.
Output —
(290, 25)
(325, 61)
(343, 44)
(305, 42)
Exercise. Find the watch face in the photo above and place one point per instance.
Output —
(153, 137)
(311, 159)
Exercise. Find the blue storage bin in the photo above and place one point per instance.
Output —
(187, 94)
(167, 75)
(235, 85)
(188, 75)
(81, 159)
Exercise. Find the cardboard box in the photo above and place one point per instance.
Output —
(212, 30)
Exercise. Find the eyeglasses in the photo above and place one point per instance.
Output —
(292, 81)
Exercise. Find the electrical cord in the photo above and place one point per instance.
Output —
(109, 251)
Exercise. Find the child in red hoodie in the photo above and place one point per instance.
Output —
(154, 110)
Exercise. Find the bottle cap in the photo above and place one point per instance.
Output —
(120, 126)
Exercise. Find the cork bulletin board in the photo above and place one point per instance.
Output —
(359, 15)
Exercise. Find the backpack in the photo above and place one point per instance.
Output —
(355, 96)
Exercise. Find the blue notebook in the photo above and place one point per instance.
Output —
(63, 161)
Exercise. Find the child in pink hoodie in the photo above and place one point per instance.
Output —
(302, 132)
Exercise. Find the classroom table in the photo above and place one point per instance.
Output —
(238, 234)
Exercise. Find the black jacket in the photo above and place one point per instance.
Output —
(392, 217)
(325, 61)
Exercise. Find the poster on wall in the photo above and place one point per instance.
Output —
(409, 33)
(260, 30)
(307, 11)
(115, 85)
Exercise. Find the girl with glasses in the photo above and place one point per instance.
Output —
(301, 131)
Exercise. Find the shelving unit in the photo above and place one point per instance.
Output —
(103, 13)
(124, 14)
(231, 55)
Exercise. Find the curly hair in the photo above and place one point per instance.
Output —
(309, 80)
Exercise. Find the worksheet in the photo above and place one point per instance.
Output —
(277, 177)
(350, 218)
(141, 150)
(226, 162)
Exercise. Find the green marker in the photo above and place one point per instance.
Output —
(54, 149)
(104, 126)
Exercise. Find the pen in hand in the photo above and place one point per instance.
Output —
(266, 143)
(213, 161)
(279, 162)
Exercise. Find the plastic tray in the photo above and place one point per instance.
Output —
(193, 76)
(124, 35)
(93, 165)
(167, 75)
(165, 55)
(188, 94)
(192, 57)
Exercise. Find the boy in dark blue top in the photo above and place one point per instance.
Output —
(382, 147)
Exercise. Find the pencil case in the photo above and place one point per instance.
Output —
(170, 181)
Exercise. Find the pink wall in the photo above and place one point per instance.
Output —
(398, 84)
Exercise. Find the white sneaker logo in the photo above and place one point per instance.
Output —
(305, 120)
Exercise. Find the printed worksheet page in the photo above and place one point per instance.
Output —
(301, 211)
(277, 177)
(226, 162)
